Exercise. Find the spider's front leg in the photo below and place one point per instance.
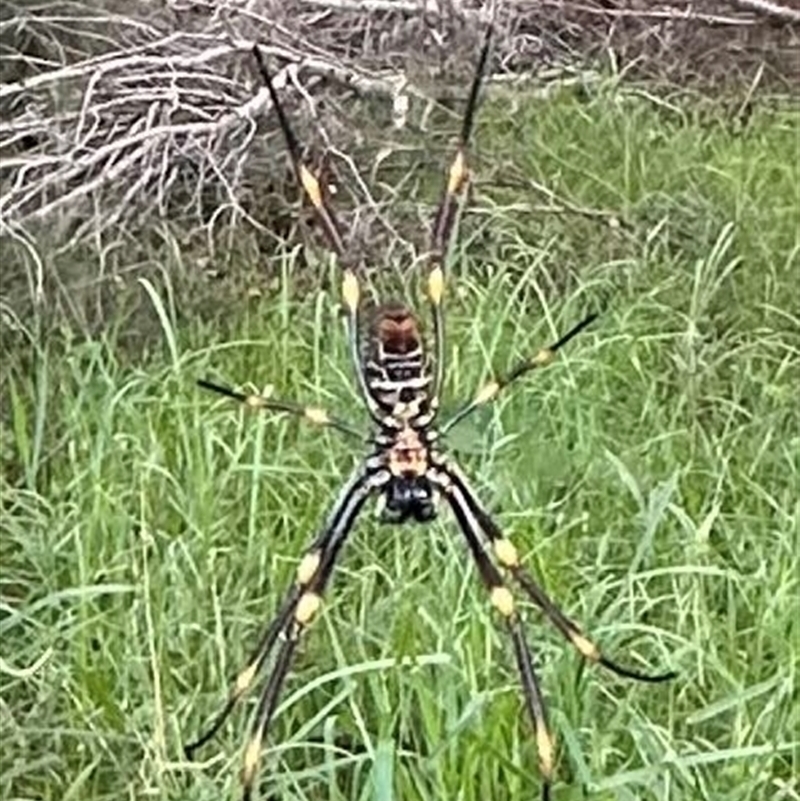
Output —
(478, 526)
(299, 608)
(507, 555)
(503, 600)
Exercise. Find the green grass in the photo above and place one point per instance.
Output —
(650, 479)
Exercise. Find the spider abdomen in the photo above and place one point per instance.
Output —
(394, 332)
(394, 363)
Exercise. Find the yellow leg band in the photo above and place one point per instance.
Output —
(436, 285)
(503, 600)
(308, 566)
(350, 290)
(506, 553)
(307, 607)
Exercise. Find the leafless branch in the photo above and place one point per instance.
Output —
(128, 126)
(141, 109)
(780, 11)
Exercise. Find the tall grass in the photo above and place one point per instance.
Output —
(650, 479)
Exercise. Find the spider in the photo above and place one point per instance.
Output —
(406, 469)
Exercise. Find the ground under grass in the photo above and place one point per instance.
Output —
(650, 479)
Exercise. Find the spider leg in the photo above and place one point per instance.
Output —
(351, 291)
(503, 600)
(489, 391)
(312, 414)
(297, 611)
(247, 675)
(455, 186)
(508, 557)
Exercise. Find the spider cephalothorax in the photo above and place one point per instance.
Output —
(405, 468)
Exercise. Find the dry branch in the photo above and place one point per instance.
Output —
(779, 11)
(112, 112)
(130, 126)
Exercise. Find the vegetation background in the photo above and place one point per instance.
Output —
(633, 158)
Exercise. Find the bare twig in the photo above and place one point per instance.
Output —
(120, 131)
(108, 117)
(779, 11)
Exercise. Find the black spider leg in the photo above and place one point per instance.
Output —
(489, 391)
(351, 292)
(507, 555)
(503, 600)
(296, 613)
(441, 232)
(311, 414)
